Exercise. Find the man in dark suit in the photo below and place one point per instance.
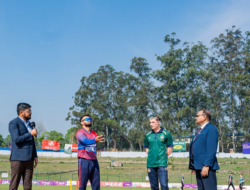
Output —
(23, 158)
(202, 153)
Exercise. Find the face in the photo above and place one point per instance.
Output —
(86, 123)
(26, 114)
(154, 124)
(200, 117)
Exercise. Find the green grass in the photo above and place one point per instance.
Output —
(135, 172)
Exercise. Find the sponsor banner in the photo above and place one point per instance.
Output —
(136, 184)
(68, 148)
(191, 186)
(145, 185)
(116, 184)
(179, 146)
(50, 145)
(174, 185)
(72, 182)
(5, 182)
(74, 147)
(42, 182)
(60, 183)
(246, 148)
(35, 182)
(111, 184)
(127, 184)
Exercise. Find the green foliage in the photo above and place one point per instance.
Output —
(1, 140)
(192, 77)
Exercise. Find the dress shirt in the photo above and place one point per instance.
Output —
(26, 123)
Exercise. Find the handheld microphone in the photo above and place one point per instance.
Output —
(33, 126)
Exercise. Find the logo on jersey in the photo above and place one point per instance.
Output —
(162, 136)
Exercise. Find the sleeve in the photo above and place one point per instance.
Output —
(15, 134)
(83, 139)
(169, 140)
(211, 146)
(146, 144)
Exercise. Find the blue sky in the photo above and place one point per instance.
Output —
(47, 46)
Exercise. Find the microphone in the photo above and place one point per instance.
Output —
(33, 126)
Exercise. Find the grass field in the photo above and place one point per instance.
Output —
(133, 170)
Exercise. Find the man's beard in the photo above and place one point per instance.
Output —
(27, 117)
(89, 125)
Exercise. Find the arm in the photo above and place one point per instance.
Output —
(169, 150)
(83, 139)
(15, 134)
(211, 146)
(146, 150)
(169, 144)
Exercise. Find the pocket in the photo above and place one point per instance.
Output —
(163, 169)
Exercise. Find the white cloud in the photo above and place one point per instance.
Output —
(235, 13)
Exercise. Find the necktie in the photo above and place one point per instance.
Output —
(199, 130)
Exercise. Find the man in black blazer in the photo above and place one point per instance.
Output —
(23, 158)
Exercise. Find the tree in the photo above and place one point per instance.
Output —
(7, 141)
(141, 100)
(171, 94)
(229, 61)
(1, 140)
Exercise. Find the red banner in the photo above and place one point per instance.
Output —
(51, 145)
(74, 147)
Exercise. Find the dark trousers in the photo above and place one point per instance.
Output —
(22, 169)
(206, 183)
(241, 186)
(88, 170)
(156, 174)
(182, 185)
(231, 184)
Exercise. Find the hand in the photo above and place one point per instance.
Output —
(204, 171)
(192, 172)
(99, 139)
(36, 162)
(33, 132)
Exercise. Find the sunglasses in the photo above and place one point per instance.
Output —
(152, 116)
(87, 119)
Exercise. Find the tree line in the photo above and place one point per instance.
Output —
(192, 77)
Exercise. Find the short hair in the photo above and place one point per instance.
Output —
(232, 173)
(207, 113)
(157, 117)
(22, 107)
(84, 116)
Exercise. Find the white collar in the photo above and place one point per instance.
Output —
(204, 125)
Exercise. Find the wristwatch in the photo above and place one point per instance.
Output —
(206, 166)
